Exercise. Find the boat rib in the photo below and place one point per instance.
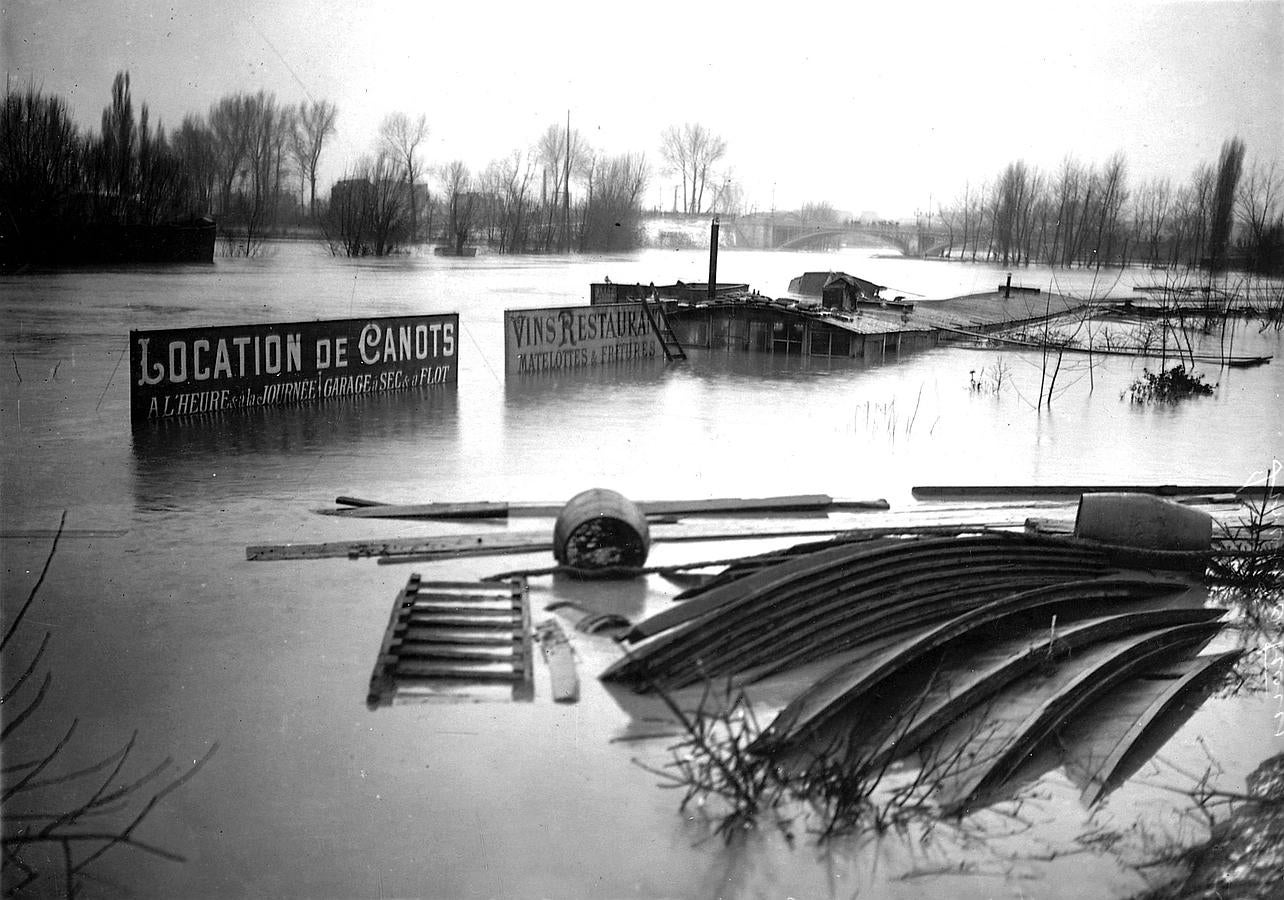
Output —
(986, 757)
(844, 686)
(1105, 776)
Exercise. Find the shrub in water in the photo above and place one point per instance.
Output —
(1168, 386)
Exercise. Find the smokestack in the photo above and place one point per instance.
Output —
(713, 256)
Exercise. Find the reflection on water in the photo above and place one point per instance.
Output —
(250, 447)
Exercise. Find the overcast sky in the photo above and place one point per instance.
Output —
(871, 106)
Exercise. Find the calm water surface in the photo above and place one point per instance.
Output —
(160, 626)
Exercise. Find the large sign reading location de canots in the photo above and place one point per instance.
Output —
(188, 371)
(572, 337)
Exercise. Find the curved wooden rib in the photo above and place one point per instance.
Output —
(896, 725)
(789, 594)
(1103, 779)
(843, 686)
(743, 590)
(1110, 665)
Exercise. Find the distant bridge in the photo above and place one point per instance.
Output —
(766, 232)
(785, 232)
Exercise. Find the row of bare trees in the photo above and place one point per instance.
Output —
(236, 163)
(252, 163)
(1088, 214)
(520, 203)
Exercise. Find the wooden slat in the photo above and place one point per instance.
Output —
(494, 637)
(457, 672)
(506, 621)
(455, 651)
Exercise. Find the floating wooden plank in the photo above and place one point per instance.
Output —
(563, 679)
(431, 639)
(360, 509)
(432, 547)
(499, 543)
(986, 491)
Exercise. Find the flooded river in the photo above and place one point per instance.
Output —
(160, 627)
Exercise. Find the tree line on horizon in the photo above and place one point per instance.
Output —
(251, 163)
(1082, 214)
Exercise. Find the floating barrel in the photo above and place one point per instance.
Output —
(1144, 521)
(599, 528)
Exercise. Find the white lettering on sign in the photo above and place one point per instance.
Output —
(191, 359)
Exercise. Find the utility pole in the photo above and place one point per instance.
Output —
(566, 191)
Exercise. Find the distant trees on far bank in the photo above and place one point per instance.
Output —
(235, 163)
(1225, 215)
(251, 163)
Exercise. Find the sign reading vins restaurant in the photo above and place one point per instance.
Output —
(572, 337)
(186, 371)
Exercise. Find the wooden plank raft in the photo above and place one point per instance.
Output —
(455, 633)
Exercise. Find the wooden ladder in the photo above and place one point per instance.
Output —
(660, 322)
(459, 633)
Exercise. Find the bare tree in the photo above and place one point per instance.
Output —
(612, 211)
(1190, 217)
(1229, 166)
(367, 212)
(39, 156)
(313, 124)
(400, 139)
(457, 183)
(193, 145)
(561, 153)
(262, 129)
(118, 146)
(1152, 205)
(228, 125)
(691, 150)
(507, 207)
(1259, 198)
(59, 819)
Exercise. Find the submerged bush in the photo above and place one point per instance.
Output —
(1168, 386)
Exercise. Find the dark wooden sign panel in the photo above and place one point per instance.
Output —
(572, 337)
(179, 372)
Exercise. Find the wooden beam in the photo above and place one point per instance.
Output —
(363, 509)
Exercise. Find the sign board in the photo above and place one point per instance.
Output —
(573, 337)
(179, 372)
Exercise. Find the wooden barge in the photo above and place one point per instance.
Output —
(848, 322)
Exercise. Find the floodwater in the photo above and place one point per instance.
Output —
(160, 627)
